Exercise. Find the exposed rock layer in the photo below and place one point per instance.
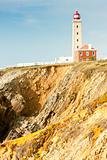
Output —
(69, 102)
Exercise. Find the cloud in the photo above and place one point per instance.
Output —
(24, 2)
(24, 6)
(25, 11)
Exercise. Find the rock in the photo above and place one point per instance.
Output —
(65, 104)
(18, 103)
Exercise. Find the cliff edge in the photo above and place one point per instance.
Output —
(56, 112)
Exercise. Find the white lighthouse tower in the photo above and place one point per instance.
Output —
(76, 33)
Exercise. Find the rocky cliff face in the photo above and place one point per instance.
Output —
(65, 104)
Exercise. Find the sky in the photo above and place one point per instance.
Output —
(40, 30)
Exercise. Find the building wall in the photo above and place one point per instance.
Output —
(63, 60)
(85, 55)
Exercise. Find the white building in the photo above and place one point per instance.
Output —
(63, 60)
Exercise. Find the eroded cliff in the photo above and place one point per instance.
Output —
(65, 104)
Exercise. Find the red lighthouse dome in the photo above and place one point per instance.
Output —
(76, 15)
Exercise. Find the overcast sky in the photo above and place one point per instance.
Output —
(40, 30)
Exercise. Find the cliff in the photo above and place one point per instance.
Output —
(54, 112)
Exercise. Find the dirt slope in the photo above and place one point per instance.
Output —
(67, 104)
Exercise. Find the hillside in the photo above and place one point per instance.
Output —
(56, 112)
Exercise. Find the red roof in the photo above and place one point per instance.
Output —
(87, 47)
(76, 15)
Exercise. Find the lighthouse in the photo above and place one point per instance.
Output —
(77, 37)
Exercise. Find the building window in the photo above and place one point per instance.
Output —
(77, 46)
(93, 53)
(77, 40)
(81, 54)
(92, 58)
(87, 53)
(77, 26)
(77, 33)
(67, 59)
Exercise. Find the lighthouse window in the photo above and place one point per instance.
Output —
(77, 40)
(77, 46)
(80, 53)
(77, 33)
(77, 26)
(87, 53)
